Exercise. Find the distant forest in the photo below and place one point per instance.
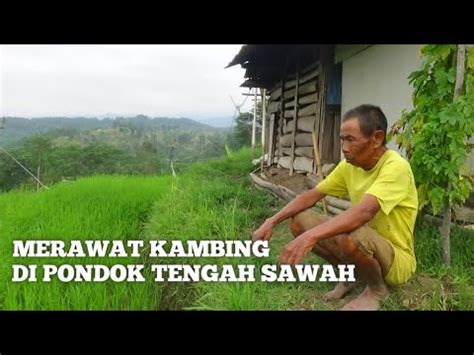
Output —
(61, 148)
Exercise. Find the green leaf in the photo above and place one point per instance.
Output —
(444, 116)
(444, 51)
(452, 75)
(470, 58)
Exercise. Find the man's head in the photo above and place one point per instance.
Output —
(363, 132)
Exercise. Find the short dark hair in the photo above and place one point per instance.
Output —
(371, 119)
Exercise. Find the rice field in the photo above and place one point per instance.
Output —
(96, 208)
(211, 200)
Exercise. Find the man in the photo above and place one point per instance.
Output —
(376, 233)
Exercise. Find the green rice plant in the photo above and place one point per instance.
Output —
(97, 208)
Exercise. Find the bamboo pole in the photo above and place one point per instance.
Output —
(317, 160)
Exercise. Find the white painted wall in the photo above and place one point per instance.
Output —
(379, 75)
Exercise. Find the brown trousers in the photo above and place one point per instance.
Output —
(366, 239)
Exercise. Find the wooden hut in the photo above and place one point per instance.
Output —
(303, 102)
(304, 85)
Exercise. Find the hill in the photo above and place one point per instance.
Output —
(18, 128)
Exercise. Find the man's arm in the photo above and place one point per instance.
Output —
(298, 204)
(346, 222)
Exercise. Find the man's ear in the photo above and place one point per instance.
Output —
(378, 137)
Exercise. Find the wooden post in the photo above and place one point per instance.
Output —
(321, 104)
(460, 71)
(337, 139)
(264, 120)
(317, 160)
(295, 118)
(264, 126)
(280, 119)
(271, 139)
(445, 229)
(254, 122)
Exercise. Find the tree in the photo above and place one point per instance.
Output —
(40, 147)
(11, 174)
(242, 133)
(436, 132)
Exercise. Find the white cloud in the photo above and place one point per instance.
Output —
(156, 80)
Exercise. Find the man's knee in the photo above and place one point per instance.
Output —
(347, 245)
(303, 221)
(340, 246)
(308, 219)
(301, 218)
(361, 244)
(295, 228)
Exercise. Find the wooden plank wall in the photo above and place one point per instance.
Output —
(292, 145)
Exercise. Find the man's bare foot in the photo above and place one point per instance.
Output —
(368, 300)
(342, 288)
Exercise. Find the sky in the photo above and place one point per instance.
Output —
(94, 80)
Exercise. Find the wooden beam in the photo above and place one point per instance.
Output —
(301, 139)
(337, 139)
(278, 190)
(271, 139)
(338, 203)
(308, 99)
(254, 123)
(310, 67)
(304, 152)
(284, 162)
(303, 164)
(275, 95)
(308, 88)
(321, 103)
(334, 210)
(311, 75)
(280, 118)
(308, 110)
(304, 100)
(304, 89)
(288, 126)
(295, 117)
(273, 106)
(306, 123)
(264, 119)
(286, 151)
(317, 165)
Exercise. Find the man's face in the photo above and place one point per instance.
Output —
(357, 148)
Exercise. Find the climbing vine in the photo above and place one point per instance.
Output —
(436, 132)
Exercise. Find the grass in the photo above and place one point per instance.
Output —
(210, 200)
(435, 286)
(96, 208)
(213, 201)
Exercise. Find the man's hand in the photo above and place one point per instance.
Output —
(264, 232)
(298, 204)
(294, 252)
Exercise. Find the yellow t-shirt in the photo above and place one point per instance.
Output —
(391, 181)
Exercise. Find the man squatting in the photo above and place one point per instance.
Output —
(376, 233)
